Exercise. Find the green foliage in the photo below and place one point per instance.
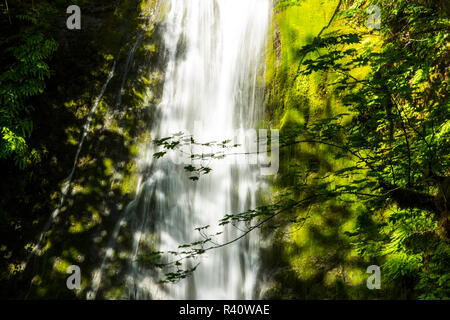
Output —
(23, 78)
(391, 143)
(398, 135)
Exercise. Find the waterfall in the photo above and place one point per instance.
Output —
(213, 88)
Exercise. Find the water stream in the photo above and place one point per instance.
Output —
(213, 88)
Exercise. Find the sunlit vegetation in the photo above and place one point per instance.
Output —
(70, 68)
(364, 117)
(374, 106)
(364, 120)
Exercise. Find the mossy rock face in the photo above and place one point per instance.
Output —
(105, 177)
(313, 260)
(292, 119)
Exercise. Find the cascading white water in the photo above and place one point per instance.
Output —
(215, 50)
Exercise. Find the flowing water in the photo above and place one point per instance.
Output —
(214, 50)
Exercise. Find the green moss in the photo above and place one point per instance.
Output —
(317, 254)
(61, 265)
(109, 166)
(291, 119)
(129, 183)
